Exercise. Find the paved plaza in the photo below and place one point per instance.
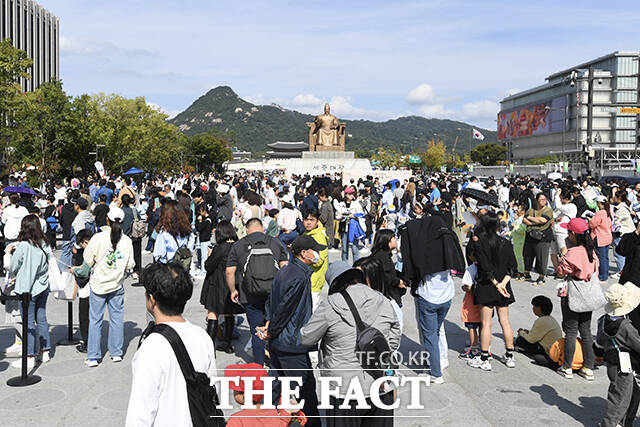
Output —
(71, 394)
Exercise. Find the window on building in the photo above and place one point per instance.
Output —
(626, 96)
(627, 66)
(625, 135)
(627, 82)
(625, 122)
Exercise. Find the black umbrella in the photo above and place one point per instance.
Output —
(481, 196)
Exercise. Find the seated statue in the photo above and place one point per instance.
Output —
(326, 131)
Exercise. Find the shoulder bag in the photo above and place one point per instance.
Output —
(138, 228)
(585, 296)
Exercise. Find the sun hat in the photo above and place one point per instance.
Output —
(577, 225)
(622, 299)
(115, 214)
(340, 271)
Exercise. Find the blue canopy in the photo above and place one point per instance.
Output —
(133, 171)
(394, 183)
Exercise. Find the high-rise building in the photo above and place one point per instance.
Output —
(35, 30)
(586, 115)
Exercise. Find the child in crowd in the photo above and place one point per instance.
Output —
(618, 343)
(258, 416)
(545, 331)
(82, 271)
(470, 312)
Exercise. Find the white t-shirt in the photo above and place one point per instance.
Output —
(158, 389)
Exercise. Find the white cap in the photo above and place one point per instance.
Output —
(601, 199)
(223, 188)
(115, 214)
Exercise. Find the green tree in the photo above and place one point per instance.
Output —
(488, 154)
(434, 157)
(542, 160)
(209, 150)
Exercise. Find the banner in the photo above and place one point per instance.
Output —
(100, 169)
(538, 119)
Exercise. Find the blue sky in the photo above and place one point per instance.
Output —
(370, 59)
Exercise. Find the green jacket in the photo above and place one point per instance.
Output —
(320, 267)
(30, 265)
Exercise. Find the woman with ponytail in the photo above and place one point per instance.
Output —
(579, 263)
(110, 253)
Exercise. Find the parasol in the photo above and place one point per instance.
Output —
(133, 171)
(481, 196)
(21, 190)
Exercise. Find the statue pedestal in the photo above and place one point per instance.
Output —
(328, 154)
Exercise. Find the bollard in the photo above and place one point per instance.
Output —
(69, 340)
(24, 379)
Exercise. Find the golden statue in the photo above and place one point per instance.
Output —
(326, 133)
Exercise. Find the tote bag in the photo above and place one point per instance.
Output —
(56, 283)
(585, 296)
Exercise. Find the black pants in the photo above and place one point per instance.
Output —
(352, 417)
(538, 251)
(536, 351)
(572, 323)
(286, 365)
(83, 318)
(623, 398)
(137, 254)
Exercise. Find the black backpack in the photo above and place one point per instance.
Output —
(183, 256)
(202, 396)
(372, 347)
(259, 270)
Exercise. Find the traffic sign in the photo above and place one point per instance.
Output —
(414, 158)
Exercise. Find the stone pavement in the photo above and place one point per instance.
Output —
(71, 394)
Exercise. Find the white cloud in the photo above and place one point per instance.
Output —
(170, 113)
(483, 109)
(82, 47)
(421, 94)
(481, 113)
(307, 100)
(435, 111)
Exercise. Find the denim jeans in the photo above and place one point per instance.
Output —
(355, 251)
(97, 304)
(204, 254)
(619, 258)
(430, 318)
(37, 315)
(66, 257)
(603, 257)
(572, 323)
(256, 316)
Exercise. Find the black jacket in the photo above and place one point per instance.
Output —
(625, 336)
(67, 215)
(629, 248)
(428, 246)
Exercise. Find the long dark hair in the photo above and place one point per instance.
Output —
(373, 273)
(31, 231)
(116, 232)
(225, 231)
(381, 241)
(487, 230)
(585, 240)
(607, 207)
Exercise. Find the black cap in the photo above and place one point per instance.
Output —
(82, 203)
(305, 242)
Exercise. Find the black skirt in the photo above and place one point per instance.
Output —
(215, 295)
(486, 294)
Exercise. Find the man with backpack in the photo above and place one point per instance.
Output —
(160, 395)
(289, 307)
(252, 265)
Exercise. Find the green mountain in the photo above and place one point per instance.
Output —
(251, 127)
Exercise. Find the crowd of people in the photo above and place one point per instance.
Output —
(260, 243)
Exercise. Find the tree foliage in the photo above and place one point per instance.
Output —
(543, 160)
(488, 154)
(434, 157)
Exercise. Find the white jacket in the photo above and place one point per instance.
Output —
(110, 265)
(12, 220)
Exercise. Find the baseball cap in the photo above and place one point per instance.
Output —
(223, 188)
(82, 203)
(115, 214)
(305, 242)
(577, 225)
(246, 370)
(601, 199)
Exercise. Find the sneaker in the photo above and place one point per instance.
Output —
(526, 276)
(477, 362)
(510, 361)
(81, 348)
(444, 364)
(146, 252)
(116, 359)
(45, 356)
(468, 354)
(565, 372)
(134, 277)
(92, 363)
(437, 380)
(586, 373)
(539, 281)
(15, 348)
(31, 363)
(615, 275)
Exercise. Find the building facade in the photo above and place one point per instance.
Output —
(286, 150)
(35, 30)
(586, 116)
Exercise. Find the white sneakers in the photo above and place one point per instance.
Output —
(437, 380)
(565, 372)
(477, 362)
(91, 363)
(510, 361)
(15, 348)
(31, 363)
(116, 359)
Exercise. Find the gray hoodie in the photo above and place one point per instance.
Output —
(81, 220)
(334, 325)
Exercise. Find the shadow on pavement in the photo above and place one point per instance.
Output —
(588, 413)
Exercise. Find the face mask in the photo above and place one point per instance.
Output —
(316, 257)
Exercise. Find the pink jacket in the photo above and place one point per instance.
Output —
(575, 263)
(600, 226)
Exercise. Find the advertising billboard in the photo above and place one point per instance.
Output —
(537, 119)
